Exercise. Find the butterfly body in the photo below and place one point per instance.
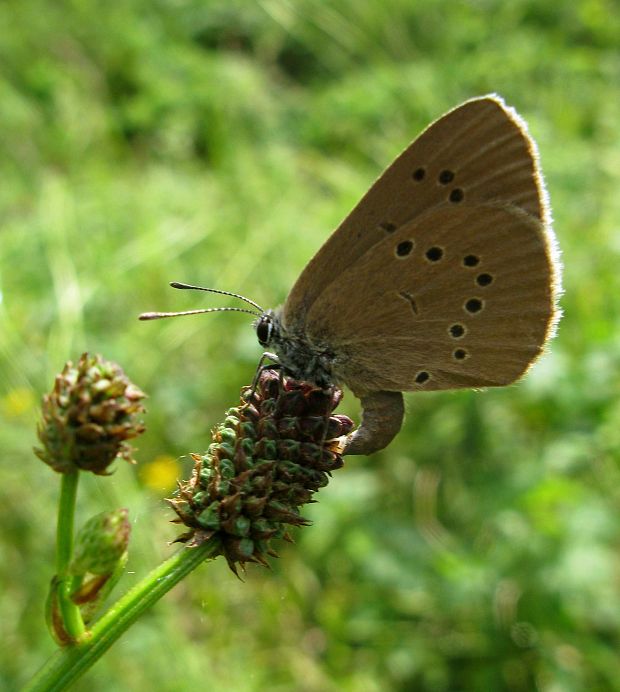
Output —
(315, 362)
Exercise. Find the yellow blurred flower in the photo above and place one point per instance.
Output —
(161, 473)
(17, 402)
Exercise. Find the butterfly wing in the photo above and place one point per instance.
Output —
(458, 297)
(479, 152)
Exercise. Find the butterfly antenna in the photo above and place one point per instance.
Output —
(178, 284)
(161, 315)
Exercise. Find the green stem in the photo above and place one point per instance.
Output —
(70, 662)
(64, 528)
(70, 613)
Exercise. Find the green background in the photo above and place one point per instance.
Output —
(219, 143)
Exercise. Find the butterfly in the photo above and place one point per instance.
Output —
(445, 275)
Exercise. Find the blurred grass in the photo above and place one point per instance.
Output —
(219, 143)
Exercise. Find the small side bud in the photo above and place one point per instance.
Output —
(89, 416)
(101, 543)
(99, 559)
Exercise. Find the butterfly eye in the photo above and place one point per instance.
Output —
(263, 331)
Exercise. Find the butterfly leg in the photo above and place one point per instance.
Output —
(382, 417)
(261, 367)
(248, 396)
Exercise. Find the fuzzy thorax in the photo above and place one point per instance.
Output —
(298, 356)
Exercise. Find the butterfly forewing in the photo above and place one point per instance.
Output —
(459, 297)
(477, 153)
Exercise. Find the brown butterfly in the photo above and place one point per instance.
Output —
(445, 275)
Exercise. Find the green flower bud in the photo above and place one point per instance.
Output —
(101, 543)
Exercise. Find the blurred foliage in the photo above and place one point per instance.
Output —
(218, 142)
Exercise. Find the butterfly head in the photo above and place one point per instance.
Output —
(267, 328)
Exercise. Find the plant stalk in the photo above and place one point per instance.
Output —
(69, 612)
(69, 662)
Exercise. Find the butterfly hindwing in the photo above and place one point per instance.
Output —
(459, 297)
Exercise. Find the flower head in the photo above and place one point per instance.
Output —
(267, 459)
(89, 416)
